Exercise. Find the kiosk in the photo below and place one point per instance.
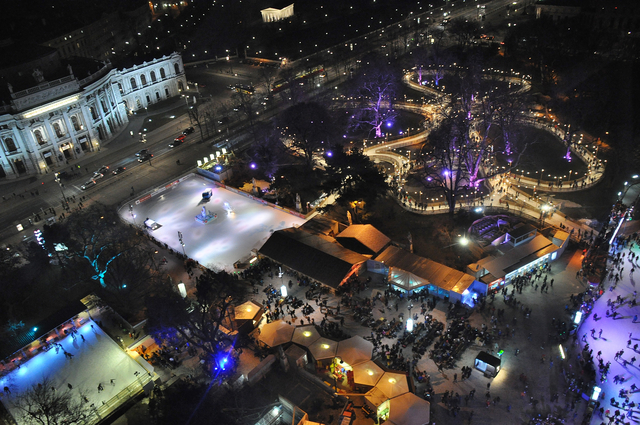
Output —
(487, 364)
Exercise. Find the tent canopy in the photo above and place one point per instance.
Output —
(355, 350)
(247, 311)
(305, 335)
(323, 348)
(276, 333)
(393, 384)
(367, 373)
(375, 397)
(409, 409)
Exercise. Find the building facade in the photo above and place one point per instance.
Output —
(45, 126)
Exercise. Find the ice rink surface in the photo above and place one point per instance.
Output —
(96, 360)
(217, 244)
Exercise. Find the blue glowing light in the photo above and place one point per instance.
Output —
(218, 168)
(253, 166)
(329, 154)
(35, 329)
(389, 123)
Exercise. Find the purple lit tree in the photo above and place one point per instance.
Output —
(376, 88)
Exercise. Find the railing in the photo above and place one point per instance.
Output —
(43, 86)
(95, 76)
(99, 413)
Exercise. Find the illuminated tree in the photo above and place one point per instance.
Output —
(197, 320)
(93, 237)
(376, 88)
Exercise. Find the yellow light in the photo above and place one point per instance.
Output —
(325, 346)
(52, 106)
(249, 309)
(370, 372)
(392, 381)
(306, 333)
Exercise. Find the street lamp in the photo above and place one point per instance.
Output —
(57, 179)
(133, 216)
(181, 242)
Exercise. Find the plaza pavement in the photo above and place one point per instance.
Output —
(544, 379)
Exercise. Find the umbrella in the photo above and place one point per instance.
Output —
(367, 373)
(354, 350)
(276, 333)
(305, 335)
(323, 348)
(409, 409)
(393, 384)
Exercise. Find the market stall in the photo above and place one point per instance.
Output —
(276, 333)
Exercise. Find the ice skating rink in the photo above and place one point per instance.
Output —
(220, 243)
(97, 360)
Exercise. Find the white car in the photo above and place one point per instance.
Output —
(88, 184)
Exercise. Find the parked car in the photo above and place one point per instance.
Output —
(142, 152)
(176, 142)
(119, 170)
(188, 130)
(102, 170)
(146, 157)
(88, 184)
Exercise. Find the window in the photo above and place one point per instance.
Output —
(58, 129)
(166, 92)
(177, 68)
(162, 74)
(94, 114)
(120, 88)
(76, 123)
(143, 79)
(157, 95)
(38, 135)
(153, 77)
(10, 144)
(133, 83)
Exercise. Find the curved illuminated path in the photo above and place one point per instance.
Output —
(511, 197)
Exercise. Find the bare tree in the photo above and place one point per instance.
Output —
(376, 88)
(307, 128)
(198, 320)
(197, 115)
(267, 77)
(43, 405)
(93, 237)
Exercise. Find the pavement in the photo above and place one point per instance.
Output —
(531, 338)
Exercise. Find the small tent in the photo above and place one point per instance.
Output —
(276, 333)
(354, 350)
(409, 409)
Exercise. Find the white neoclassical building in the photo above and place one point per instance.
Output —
(44, 126)
(272, 14)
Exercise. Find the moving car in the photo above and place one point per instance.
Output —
(142, 152)
(145, 157)
(176, 142)
(88, 184)
(119, 170)
(188, 130)
(102, 170)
